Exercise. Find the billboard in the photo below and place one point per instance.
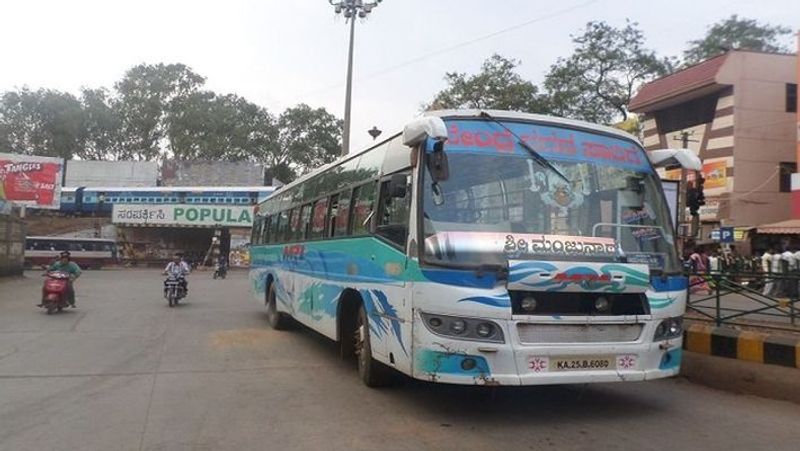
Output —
(716, 174)
(31, 181)
(185, 215)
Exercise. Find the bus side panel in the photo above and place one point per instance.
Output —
(310, 279)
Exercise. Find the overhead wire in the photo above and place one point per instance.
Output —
(441, 51)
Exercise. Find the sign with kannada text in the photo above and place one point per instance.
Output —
(183, 215)
(31, 181)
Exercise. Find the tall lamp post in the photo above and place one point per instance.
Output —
(351, 9)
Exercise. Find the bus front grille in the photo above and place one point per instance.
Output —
(578, 333)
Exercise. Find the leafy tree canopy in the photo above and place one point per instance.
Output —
(497, 86)
(598, 80)
(736, 33)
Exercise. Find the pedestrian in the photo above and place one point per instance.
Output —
(766, 268)
(788, 264)
(714, 262)
(697, 282)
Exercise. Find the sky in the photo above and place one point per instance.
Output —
(282, 53)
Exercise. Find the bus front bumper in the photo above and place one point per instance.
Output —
(445, 360)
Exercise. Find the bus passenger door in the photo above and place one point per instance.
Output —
(392, 228)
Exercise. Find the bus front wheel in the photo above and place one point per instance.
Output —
(372, 372)
(277, 320)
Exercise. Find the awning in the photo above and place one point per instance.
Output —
(790, 227)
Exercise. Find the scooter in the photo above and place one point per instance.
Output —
(220, 271)
(54, 292)
(173, 290)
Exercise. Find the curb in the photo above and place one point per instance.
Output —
(743, 345)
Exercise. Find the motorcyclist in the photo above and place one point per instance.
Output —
(63, 264)
(178, 269)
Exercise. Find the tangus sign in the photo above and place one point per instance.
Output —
(183, 215)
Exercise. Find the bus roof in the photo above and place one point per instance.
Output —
(171, 189)
(67, 238)
(468, 114)
(528, 117)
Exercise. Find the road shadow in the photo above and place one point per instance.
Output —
(507, 405)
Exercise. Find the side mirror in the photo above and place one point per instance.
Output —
(398, 186)
(437, 164)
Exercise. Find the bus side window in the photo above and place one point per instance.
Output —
(254, 235)
(330, 217)
(305, 222)
(318, 219)
(281, 224)
(265, 230)
(393, 215)
(294, 224)
(342, 215)
(363, 205)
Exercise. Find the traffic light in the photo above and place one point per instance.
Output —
(701, 198)
(692, 201)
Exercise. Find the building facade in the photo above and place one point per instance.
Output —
(737, 111)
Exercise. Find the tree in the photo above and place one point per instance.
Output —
(736, 33)
(143, 101)
(496, 86)
(204, 125)
(43, 122)
(597, 81)
(102, 127)
(307, 138)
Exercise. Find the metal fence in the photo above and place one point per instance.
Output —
(769, 299)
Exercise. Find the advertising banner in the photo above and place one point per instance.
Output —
(32, 181)
(716, 174)
(183, 215)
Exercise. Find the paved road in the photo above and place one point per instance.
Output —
(125, 372)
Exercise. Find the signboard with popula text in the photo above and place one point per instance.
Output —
(31, 181)
(182, 215)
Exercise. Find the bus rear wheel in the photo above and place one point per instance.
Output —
(277, 320)
(371, 372)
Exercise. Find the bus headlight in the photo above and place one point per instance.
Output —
(463, 328)
(458, 327)
(668, 329)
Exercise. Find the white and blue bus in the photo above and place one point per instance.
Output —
(481, 247)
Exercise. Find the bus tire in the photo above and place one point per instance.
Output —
(277, 320)
(372, 373)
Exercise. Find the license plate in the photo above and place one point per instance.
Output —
(540, 364)
(588, 363)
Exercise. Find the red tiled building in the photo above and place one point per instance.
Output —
(739, 109)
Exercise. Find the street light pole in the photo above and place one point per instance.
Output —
(351, 9)
(349, 92)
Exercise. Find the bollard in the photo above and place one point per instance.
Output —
(718, 307)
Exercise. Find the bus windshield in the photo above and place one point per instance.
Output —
(598, 200)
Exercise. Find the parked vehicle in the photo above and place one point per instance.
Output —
(55, 292)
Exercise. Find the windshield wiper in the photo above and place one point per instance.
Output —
(544, 162)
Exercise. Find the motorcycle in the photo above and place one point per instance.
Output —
(54, 291)
(173, 290)
(220, 271)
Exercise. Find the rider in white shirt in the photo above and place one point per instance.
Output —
(178, 269)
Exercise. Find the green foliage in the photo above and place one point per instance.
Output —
(736, 33)
(307, 138)
(160, 111)
(597, 81)
(144, 98)
(497, 86)
(43, 122)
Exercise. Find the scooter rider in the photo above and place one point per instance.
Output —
(63, 264)
(179, 269)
